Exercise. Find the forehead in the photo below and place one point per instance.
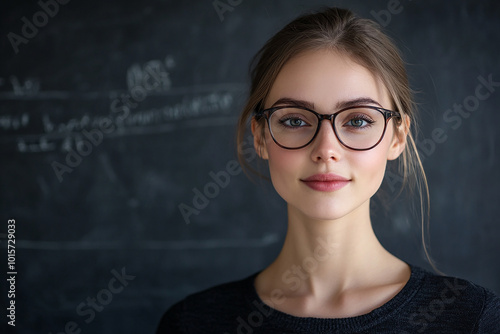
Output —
(326, 78)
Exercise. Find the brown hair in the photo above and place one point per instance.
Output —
(364, 42)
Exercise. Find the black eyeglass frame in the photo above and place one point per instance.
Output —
(388, 114)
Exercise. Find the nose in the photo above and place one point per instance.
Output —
(326, 145)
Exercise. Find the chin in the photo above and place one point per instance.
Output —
(326, 215)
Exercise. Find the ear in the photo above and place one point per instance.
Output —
(259, 140)
(399, 139)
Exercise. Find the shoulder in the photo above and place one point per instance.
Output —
(461, 302)
(209, 309)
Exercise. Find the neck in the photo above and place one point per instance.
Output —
(325, 257)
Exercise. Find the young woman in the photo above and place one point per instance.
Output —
(329, 106)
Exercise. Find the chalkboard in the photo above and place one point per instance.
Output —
(117, 126)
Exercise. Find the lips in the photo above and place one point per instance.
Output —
(326, 182)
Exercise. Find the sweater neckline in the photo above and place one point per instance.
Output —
(284, 320)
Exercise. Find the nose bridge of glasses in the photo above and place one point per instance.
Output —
(330, 120)
(326, 140)
(328, 117)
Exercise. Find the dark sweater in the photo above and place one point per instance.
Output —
(427, 304)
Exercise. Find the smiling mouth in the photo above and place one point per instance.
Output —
(326, 182)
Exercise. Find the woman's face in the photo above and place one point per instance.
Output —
(327, 80)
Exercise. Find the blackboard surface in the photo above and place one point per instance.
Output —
(117, 123)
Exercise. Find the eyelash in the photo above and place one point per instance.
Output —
(352, 117)
(282, 122)
(361, 117)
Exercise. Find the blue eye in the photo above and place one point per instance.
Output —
(358, 123)
(293, 122)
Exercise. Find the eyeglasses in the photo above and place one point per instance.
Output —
(359, 128)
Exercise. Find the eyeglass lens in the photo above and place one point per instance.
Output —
(357, 128)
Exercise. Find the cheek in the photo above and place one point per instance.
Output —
(284, 166)
(280, 160)
(371, 165)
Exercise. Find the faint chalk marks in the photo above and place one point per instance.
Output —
(108, 169)
(43, 186)
(264, 241)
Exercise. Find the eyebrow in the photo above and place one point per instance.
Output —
(340, 105)
(357, 102)
(298, 103)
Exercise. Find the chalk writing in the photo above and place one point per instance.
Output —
(28, 87)
(194, 107)
(64, 135)
(11, 122)
(40, 145)
(52, 131)
(153, 71)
